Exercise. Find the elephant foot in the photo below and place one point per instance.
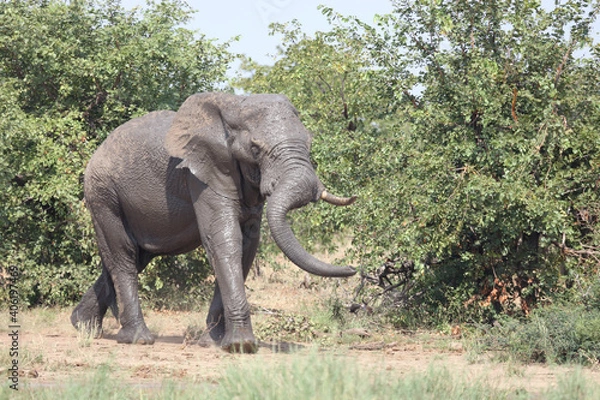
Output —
(215, 330)
(212, 336)
(91, 326)
(139, 334)
(245, 347)
(206, 340)
(240, 340)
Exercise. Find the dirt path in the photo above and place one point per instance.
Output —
(55, 358)
(52, 352)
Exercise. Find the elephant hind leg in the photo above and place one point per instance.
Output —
(122, 259)
(90, 311)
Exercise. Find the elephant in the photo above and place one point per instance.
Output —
(168, 182)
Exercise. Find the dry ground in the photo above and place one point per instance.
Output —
(52, 353)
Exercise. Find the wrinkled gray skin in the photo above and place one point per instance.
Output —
(168, 182)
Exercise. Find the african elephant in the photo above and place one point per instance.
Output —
(168, 182)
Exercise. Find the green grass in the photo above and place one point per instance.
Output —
(313, 376)
(331, 377)
(557, 334)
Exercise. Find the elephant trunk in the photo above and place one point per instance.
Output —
(288, 195)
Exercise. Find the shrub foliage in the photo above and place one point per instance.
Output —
(470, 132)
(554, 334)
(71, 72)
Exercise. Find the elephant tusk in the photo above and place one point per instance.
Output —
(335, 200)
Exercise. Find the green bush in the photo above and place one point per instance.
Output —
(286, 326)
(554, 334)
(469, 131)
(177, 282)
(71, 72)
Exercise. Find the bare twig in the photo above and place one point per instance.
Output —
(389, 278)
(513, 109)
(561, 67)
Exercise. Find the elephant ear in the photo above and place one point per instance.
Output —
(199, 136)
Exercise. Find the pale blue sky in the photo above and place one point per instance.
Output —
(224, 19)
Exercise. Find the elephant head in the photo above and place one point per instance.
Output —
(256, 144)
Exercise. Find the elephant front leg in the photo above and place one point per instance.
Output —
(215, 320)
(229, 316)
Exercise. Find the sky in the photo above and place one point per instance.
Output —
(225, 19)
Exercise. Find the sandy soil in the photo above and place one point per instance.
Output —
(52, 352)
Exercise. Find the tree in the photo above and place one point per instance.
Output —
(329, 81)
(481, 165)
(71, 72)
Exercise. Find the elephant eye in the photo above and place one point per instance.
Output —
(255, 150)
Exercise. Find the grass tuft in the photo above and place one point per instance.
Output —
(554, 334)
(86, 333)
(334, 377)
(307, 376)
